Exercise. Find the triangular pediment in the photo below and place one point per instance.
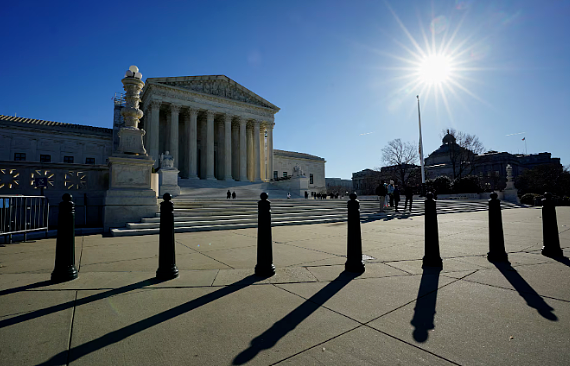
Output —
(217, 85)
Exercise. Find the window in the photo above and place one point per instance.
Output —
(19, 156)
(45, 158)
(310, 179)
(89, 160)
(284, 174)
(275, 174)
(68, 159)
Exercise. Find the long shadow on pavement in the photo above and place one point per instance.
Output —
(69, 304)
(75, 353)
(531, 297)
(26, 287)
(270, 337)
(563, 260)
(424, 312)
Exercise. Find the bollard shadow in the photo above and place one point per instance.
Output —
(26, 287)
(69, 304)
(75, 353)
(424, 312)
(563, 260)
(271, 336)
(532, 298)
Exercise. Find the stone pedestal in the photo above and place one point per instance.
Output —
(130, 196)
(299, 185)
(511, 193)
(168, 182)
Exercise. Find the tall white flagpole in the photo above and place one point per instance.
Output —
(421, 146)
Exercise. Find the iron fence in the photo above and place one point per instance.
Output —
(23, 214)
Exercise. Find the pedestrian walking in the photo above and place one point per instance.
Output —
(288, 195)
(228, 195)
(234, 195)
(396, 197)
(409, 198)
(391, 193)
(306, 195)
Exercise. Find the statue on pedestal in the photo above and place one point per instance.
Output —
(166, 161)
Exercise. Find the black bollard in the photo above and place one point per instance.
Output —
(354, 261)
(264, 267)
(65, 243)
(550, 238)
(497, 251)
(167, 269)
(431, 257)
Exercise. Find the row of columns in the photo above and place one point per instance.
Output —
(242, 144)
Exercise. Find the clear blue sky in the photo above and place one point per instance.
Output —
(341, 71)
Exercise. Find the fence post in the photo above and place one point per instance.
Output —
(65, 244)
(354, 261)
(551, 240)
(431, 257)
(497, 251)
(264, 267)
(167, 269)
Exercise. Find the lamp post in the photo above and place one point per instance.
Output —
(421, 149)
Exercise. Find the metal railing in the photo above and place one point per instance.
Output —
(23, 214)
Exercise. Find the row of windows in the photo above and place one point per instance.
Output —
(276, 174)
(47, 158)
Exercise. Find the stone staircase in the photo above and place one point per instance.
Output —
(221, 214)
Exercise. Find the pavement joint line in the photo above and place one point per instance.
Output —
(120, 260)
(398, 268)
(512, 289)
(316, 345)
(315, 277)
(217, 260)
(413, 345)
(416, 299)
(311, 249)
(308, 264)
(71, 328)
(216, 276)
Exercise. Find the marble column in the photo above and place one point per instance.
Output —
(210, 146)
(270, 149)
(242, 150)
(262, 153)
(250, 152)
(228, 148)
(235, 151)
(174, 123)
(154, 130)
(220, 161)
(192, 139)
(256, 152)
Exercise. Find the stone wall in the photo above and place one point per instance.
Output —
(87, 184)
(285, 161)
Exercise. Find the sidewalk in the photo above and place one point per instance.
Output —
(309, 313)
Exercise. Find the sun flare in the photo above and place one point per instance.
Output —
(435, 69)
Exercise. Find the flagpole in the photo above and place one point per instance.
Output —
(421, 148)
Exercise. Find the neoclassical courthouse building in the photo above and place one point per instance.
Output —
(215, 129)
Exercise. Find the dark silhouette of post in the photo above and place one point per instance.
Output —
(167, 269)
(431, 257)
(264, 267)
(497, 251)
(65, 243)
(354, 239)
(550, 238)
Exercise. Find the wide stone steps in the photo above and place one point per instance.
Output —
(229, 215)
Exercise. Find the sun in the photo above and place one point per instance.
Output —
(435, 69)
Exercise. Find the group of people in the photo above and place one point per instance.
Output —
(230, 194)
(393, 192)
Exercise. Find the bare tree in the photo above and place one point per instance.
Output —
(401, 157)
(463, 149)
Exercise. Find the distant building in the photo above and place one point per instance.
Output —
(312, 166)
(365, 181)
(338, 185)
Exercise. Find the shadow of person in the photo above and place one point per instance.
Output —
(424, 312)
(271, 336)
(532, 298)
(118, 335)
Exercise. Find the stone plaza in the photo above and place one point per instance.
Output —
(310, 313)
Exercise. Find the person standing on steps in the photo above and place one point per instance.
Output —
(396, 196)
(409, 198)
(234, 195)
(381, 193)
(288, 195)
(228, 195)
(306, 195)
(391, 193)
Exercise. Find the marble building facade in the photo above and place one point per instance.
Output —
(212, 126)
